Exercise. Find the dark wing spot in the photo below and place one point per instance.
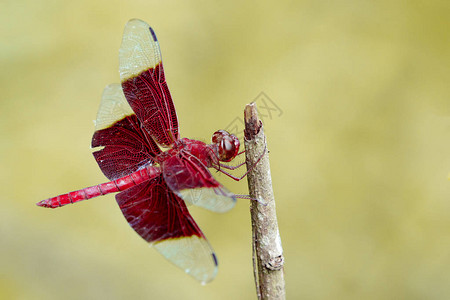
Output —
(215, 259)
(153, 34)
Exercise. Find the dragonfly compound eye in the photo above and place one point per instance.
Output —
(228, 147)
(218, 136)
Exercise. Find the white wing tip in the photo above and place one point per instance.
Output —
(139, 50)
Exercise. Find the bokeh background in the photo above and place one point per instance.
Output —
(359, 144)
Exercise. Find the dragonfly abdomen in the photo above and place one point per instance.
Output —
(114, 186)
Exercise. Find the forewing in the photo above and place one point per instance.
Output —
(125, 146)
(162, 219)
(190, 179)
(144, 83)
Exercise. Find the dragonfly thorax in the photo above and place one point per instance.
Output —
(224, 147)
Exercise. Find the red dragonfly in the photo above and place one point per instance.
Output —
(136, 119)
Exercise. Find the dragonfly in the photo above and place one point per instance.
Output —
(137, 119)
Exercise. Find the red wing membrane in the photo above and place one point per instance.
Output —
(190, 179)
(162, 219)
(144, 83)
(126, 147)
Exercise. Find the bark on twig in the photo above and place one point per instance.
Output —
(268, 258)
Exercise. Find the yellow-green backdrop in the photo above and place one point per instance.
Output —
(359, 143)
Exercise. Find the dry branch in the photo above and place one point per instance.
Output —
(268, 258)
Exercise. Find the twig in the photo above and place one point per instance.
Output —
(268, 258)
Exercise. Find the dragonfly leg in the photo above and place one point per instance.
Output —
(260, 201)
(243, 151)
(232, 168)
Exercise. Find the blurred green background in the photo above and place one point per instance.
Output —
(359, 155)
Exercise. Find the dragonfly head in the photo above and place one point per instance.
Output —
(226, 144)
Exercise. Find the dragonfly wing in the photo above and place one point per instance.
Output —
(161, 218)
(144, 83)
(125, 146)
(191, 180)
